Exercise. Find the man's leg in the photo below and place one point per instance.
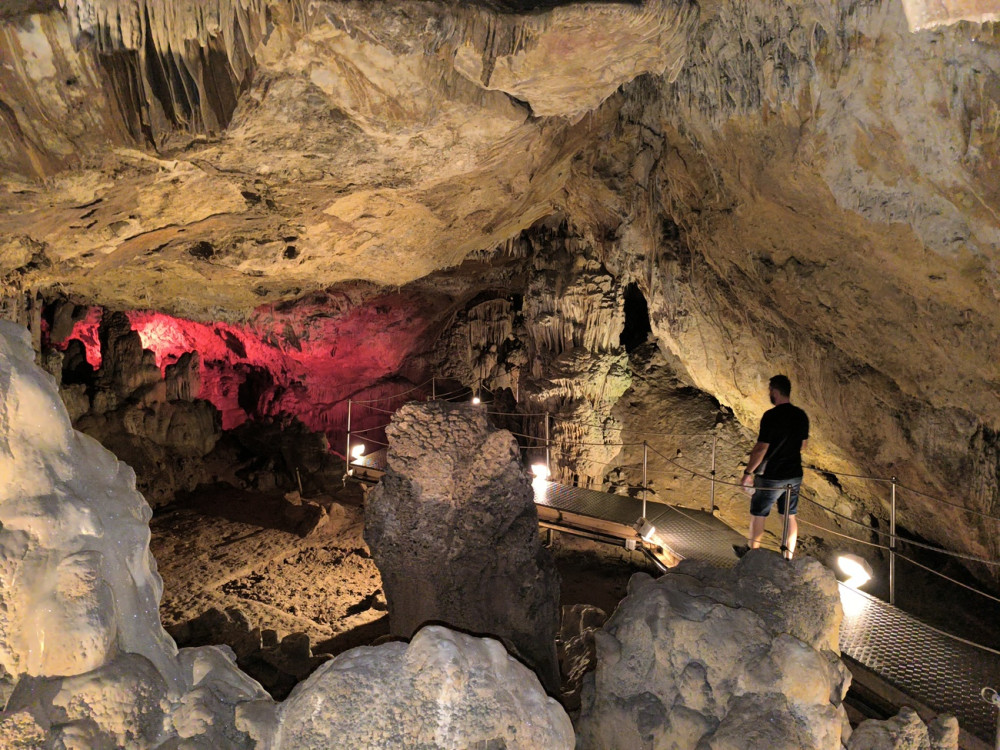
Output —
(756, 531)
(793, 525)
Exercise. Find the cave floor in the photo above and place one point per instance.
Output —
(222, 549)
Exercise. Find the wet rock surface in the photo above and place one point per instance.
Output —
(453, 529)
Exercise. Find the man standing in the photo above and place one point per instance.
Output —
(776, 463)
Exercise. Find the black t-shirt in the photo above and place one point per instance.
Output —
(783, 428)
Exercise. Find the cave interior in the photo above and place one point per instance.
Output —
(242, 235)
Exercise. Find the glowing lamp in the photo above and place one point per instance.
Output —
(857, 570)
(645, 529)
(358, 450)
(476, 401)
(541, 471)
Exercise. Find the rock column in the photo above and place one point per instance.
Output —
(454, 531)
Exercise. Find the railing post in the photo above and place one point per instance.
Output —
(892, 547)
(433, 389)
(715, 444)
(347, 453)
(989, 695)
(787, 515)
(645, 459)
(548, 464)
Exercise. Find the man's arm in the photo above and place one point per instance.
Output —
(756, 456)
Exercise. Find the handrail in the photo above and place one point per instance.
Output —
(549, 442)
(393, 397)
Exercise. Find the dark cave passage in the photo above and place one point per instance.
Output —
(637, 327)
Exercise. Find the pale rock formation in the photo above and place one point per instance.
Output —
(905, 731)
(929, 14)
(75, 590)
(453, 529)
(442, 690)
(548, 60)
(84, 662)
(719, 659)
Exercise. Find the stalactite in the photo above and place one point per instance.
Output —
(178, 48)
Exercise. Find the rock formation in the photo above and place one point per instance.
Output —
(453, 529)
(85, 663)
(443, 689)
(905, 731)
(709, 658)
(152, 420)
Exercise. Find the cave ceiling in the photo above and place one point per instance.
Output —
(812, 187)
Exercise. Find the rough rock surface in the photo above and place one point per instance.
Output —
(721, 660)
(905, 731)
(152, 420)
(442, 690)
(84, 662)
(453, 529)
(79, 585)
(810, 188)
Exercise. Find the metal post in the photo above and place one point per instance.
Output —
(433, 389)
(892, 547)
(989, 695)
(645, 459)
(715, 444)
(787, 516)
(347, 454)
(548, 465)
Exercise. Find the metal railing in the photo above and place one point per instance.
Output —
(545, 441)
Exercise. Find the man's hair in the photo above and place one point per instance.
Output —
(781, 384)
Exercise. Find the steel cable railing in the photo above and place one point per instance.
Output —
(547, 443)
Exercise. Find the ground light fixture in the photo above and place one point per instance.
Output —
(645, 529)
(856, 568)
(358, 450)
(476, 401)
(540, 471)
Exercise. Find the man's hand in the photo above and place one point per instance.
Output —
(747, 480)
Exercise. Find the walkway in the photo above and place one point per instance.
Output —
(935, 669)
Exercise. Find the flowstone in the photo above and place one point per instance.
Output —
(453, 529)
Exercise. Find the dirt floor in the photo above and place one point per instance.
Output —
(237, 569)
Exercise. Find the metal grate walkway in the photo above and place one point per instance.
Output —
(941, 672)
(686, 533)
(935, 669)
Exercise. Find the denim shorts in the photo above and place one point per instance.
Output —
(770, 490)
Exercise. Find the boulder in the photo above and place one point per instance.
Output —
(453, 529)
(905, 731)
(720, 660)
(442, 690)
